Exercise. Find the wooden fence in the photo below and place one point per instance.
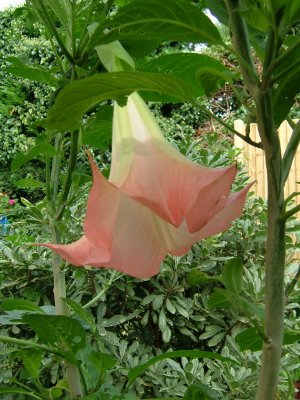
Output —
(253, 157)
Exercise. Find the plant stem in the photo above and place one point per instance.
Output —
(59, 282)
(70, 170)
(275, 252)
(29, 343)
(275, 246)
(114, 276)
(72, 372)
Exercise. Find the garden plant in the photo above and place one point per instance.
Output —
(216, 318)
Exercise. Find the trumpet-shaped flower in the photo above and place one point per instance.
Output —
(156, 202)
(149, 169)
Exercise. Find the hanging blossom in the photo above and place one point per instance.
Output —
(155, 202)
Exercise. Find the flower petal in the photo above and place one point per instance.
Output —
(219, 222)
(81, 252)
(149, 169)
(132, 238)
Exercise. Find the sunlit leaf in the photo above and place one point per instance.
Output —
(29, 183)
(33, 73)
(34, 153)
(80, 96)
(64, 332)
(179, 20)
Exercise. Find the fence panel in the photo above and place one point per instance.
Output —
(255, 160)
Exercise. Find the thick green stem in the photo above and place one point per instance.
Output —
(275, 246)
(59, 283)
(274, 293)
(72, 372)
(275, 253)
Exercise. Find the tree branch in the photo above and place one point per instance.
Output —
(246, 137)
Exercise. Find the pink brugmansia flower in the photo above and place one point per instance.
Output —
(156, 202)
(147, 168)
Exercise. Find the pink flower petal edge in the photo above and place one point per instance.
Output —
(121, 233)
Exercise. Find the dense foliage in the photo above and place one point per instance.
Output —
(23, 102)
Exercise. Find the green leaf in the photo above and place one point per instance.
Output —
(179, 20)
(291, 337)
(200, 392)
(249, 339)
(162, 320)
(257, 17)
(203, 72)
(78, 97)
(114, 321)
(287, 85)
(292, 12)
(29, 183)
(64, 332)
(35, 152)
(82, 313)
(232, 275)
(38, 74)
(222, 298)
(196, 277)
(97, 132)
(32, 359)
(102, 361)
(20, 304)
(139, 369)
(62, 10)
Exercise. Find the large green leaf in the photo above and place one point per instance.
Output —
(35, 152)
(11, 304)
(63, 332)
(80, 96)
(29, 183)
(139, 369)
(283, 94)
(249, 339)
(289, 56)
(179, 20)
(82, 313)
(102, 361)
(203, 72)
(32, 359)
(37, 74)
(223, 298)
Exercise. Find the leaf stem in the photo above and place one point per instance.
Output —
(29, 343)
(68, 180)
(114, 276)
(246, 137)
